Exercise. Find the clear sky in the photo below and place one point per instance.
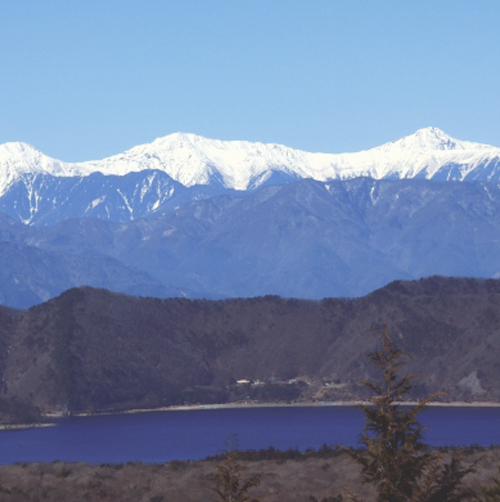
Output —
(85, 79)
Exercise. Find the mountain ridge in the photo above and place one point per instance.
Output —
(193, 160)
(306, 239)
(285, 234)
(90, 350)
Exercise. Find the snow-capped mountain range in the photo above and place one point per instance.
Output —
(240, 165)
(186, 215)
(155, 178)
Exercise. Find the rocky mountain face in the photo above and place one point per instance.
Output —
(305, 239)
(44, 199)
(92, 350)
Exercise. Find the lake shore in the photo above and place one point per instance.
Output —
(14, 427)
(243, 405)
(246, 405)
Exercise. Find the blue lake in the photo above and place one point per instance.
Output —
(194, 434)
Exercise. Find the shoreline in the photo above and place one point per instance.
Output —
(244, 405)
(16, 427)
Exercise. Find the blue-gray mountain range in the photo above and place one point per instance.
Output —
(225, 219)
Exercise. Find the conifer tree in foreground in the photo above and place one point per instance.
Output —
(395, 459)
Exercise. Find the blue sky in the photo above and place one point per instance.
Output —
(82, 80)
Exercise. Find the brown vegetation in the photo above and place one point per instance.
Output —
(295, 480)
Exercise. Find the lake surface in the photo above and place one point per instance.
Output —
(194, 434)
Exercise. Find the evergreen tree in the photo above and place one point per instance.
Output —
(395, 459)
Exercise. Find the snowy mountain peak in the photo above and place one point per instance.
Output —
(17, 150)
(431, 139)
(18, 159)
(192, 160)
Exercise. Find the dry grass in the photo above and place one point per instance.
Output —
(294, 480)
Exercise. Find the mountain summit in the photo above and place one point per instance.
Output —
(194, 160)
(432, 138)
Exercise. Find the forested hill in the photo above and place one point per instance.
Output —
(91, 350)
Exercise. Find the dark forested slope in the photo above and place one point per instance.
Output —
(89, 349)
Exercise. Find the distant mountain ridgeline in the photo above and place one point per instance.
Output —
(306, 239)
(193, 160)
(193, 217)
(91, 350)
(152, 179)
